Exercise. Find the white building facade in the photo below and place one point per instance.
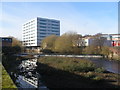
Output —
(111, 40)
(35, 30)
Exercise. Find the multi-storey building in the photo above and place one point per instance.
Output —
(6, 41)
(35, 30)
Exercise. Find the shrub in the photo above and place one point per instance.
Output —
(47, 51)
(90, 75)
(100, 70)
(97, 78)
(68, 64)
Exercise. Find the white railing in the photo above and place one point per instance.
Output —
(87, 56)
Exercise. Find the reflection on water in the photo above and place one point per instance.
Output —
(112, 66)
(27, 76)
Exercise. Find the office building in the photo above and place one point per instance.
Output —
(35, 30)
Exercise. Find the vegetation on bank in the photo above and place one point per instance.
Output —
(68, 64)
(73, 43)
(14, 49)
(71, 72)
(10, 62)
(6, 80)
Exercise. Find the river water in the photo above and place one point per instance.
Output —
(109, 65)
(29, 78)
(27, 75)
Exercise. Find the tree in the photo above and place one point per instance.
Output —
(91, 50)
(68, 43)
(16, 42)
(63, 44)
(15, 48)
(49, 42)
(98, 42)
(106, 51)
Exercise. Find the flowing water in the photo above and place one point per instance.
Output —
(109, 65)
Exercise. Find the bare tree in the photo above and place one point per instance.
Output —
(49, 42)
(69, 43)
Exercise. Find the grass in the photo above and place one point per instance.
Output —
(6, 80)
(68, 64)
(64, 72)
(9, 63)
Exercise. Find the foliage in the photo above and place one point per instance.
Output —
(100, 70)
(11, 50)
(63, 44)
(69, 43)
(10, 62)
(105, 51)
(98, 41)
(91, 50)
(98, 78)
(68, 64)
(15, 41)
(90, 75)
(48, 51)
(15, 48)
(97, 46)
(57, 71)
(49, 42)
(6, 80)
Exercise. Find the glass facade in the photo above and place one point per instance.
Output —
(37, 29)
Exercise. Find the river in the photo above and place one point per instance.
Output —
(109, 65)
(29, 78)
(27, 75)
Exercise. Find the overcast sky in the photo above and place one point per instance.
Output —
(81, 17)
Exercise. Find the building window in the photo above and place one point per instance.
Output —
(42, 33)
(55, 28)
(42, 27)
(42, 23)
(42, 30)
(42, 36)
(55, 25)
(55, 21)
(42, 20)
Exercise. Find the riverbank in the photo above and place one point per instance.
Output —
(10, 63)
(7, 82)
(64, 72)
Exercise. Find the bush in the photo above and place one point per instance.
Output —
(90, 75)
(11, 50)
(98, 78)
(68, 64)
(100, 70)
(47, 51)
